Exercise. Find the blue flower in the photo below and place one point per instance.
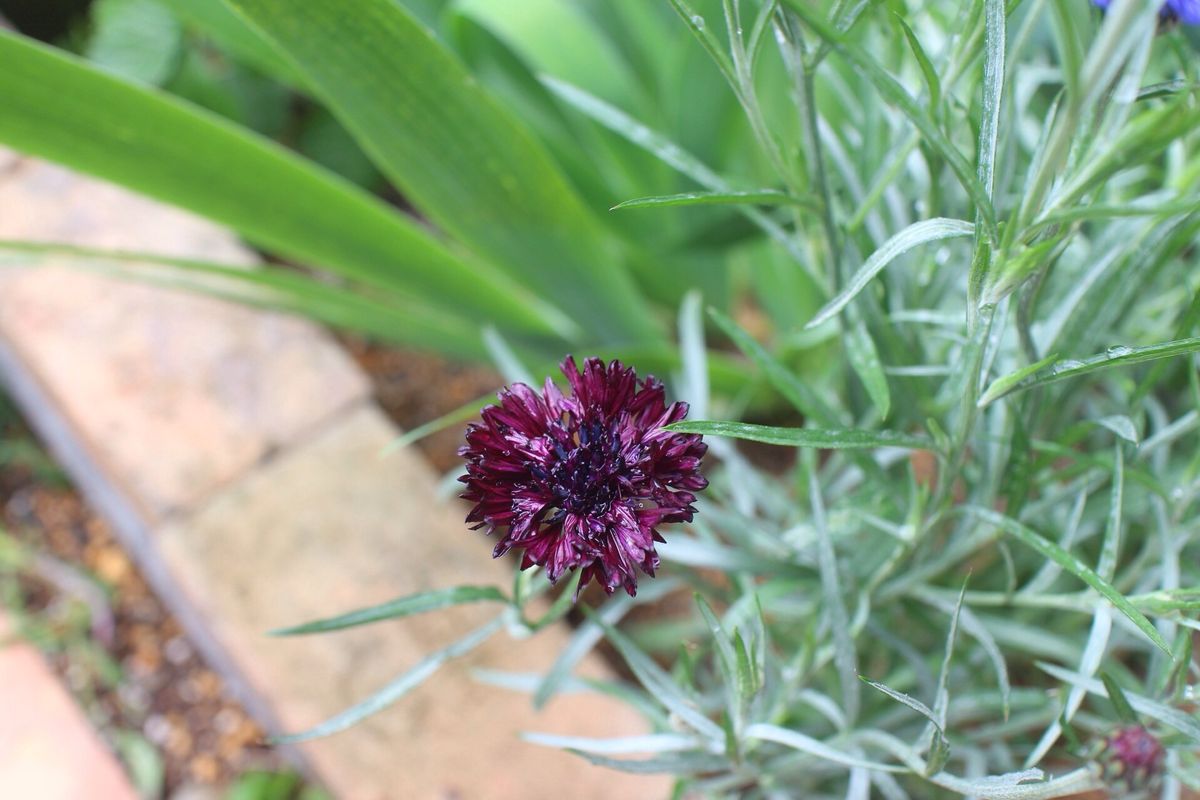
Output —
(1186, 11)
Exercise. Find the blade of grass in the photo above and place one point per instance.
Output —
(763, 197)
(826, 439)
(895, 93)
(401, 607)
(795, 391)
(923, 232)
(845, 655)
(399, 687)
(1118, 356)
(673, 155)
(864, 359)
(389, 317)
(658, 683)
(1167, 715)
(1073, 565)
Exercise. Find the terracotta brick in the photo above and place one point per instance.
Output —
(331, 527)
(48, 750)
(174, 393)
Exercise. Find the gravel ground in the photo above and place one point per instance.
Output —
(133, 669)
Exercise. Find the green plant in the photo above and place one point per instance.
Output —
(986, 210)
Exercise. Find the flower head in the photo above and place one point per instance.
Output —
(1133, 755)
(582, 481)
(1185, 11)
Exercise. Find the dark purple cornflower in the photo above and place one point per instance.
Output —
(1185, 11)
(582, 481)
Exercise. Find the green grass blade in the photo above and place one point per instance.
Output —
(908, 700)
(669, 153)
(763, 197)
(814, 747)
(1172, 717)
(993, 91)
(399, 687)
(1117, 356)
(677, 765)
(932, 82)
(864, 359)
(825, 439)
(456, 153)
(659, 683)
(401, 607)
(1008, 383)
(1116, 696)
(62, 109)
(919, 233)
(587, 635)
(787, 383)
(1073, 565)
(392, 319)
(895, 93)
(845, 655)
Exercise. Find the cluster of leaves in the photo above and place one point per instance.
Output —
(524, 246)
(986, 210)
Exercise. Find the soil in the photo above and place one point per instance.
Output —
(414, 388)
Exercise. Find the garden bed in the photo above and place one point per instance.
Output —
(79, 597)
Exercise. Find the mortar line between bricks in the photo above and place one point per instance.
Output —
(134, 533)
(309, 433)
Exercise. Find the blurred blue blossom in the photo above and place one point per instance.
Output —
(1186, 11)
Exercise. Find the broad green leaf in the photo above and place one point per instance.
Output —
(923, 232)
(765, 197)
(399, 687)
(560, 39)
(216, 20)
(825, 439)
(456, 153)
(62, 109)
(1117, 356)
(1073, 565)
(400, 607)
(137, 39)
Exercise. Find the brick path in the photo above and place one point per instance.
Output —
(236, 453)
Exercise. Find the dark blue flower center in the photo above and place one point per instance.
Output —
(584, 478)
